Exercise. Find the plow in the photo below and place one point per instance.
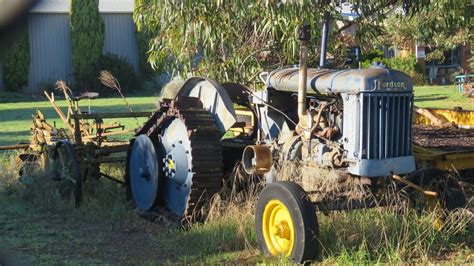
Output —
(352, 126)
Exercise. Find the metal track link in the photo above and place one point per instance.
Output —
(205, 150)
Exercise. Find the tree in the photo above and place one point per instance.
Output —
(87, 38)
(233, 40)
(442, 25)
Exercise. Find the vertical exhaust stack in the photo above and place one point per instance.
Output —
(304, 33)
(324, 40)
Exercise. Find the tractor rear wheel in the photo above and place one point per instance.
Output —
(286, 222)
(450, 195)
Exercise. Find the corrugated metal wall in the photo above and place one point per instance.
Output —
(50, 46)
(120, 37)
(50, 50)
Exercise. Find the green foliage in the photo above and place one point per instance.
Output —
(87, 39)
(120, 69)
(234, 40)
(143, 38)
(16, 60)
(471, 63)
(443, 25)
(407, 65)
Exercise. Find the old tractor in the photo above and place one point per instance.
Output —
(350, 126)
(341, 129)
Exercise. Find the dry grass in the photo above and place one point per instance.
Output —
(384, 234)
(110, 81)
(378, 235)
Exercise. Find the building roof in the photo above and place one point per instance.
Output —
(62, 6)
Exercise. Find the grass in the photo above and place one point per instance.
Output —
(37, 226)
(441, 97)
(15, 116)
(16, 110)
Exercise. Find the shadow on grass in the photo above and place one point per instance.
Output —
(9, 137)
(429, 99)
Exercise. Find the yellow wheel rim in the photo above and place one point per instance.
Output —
(277, 227)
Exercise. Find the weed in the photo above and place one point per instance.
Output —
(106, 229)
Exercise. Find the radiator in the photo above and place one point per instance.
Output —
(385, 124)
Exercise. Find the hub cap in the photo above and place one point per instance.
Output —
(278, 229)
(177, 166)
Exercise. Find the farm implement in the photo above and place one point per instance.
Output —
(343, 130)
(74, 153)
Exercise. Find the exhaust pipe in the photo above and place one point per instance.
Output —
(257, 159)
(324, 40)
(304, 33)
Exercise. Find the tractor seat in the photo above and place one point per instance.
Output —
(85, 95)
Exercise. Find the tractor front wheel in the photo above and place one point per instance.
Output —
(286, 222)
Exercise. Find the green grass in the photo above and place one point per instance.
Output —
(15, 116)
(441, 97)
(16, 110)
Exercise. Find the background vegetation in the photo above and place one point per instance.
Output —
(406, 64)
(445, 25)
(234, 40)
(15, 56)
(87, 40)
(119, 68)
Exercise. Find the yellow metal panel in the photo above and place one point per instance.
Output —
(459, 117)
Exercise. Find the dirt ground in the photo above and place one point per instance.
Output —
(446, 139)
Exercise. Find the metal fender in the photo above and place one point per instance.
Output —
(214, 99)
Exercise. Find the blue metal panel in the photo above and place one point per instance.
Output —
(383, 167)
(50, 50)
(120, 37)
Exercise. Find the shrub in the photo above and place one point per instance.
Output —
(87, 39)
(16, 59)
(120, 69)
(407, 65)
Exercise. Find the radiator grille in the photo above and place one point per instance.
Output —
(386, 125)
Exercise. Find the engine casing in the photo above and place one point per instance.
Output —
(376, 118)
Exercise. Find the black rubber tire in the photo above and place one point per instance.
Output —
(449, 191)
(303, 215)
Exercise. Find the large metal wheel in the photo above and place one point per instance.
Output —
(65, 170)
(286, 222)
(189, 158)
(192, 161)
(144, 172)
